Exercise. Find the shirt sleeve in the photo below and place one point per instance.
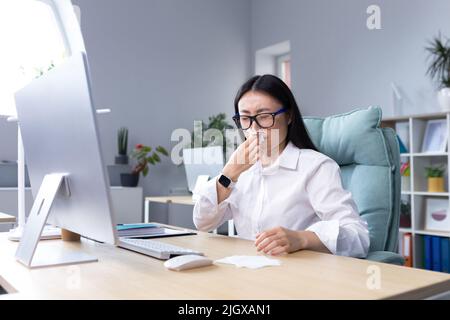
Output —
(208, 214)
(341, 229)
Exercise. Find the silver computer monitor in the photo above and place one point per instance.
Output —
(59, 130)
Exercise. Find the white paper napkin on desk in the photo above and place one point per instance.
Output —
(252, 262)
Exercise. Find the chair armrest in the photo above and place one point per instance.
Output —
(386, 257)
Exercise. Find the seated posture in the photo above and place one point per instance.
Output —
(279, 190)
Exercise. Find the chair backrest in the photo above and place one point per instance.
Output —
(369, 158)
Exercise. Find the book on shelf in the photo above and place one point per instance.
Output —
(436, 253)
(138, 229)
(427, 252)
(149, 230)
(405, 249)
(402, 130)
(402, 146)
(445, 255)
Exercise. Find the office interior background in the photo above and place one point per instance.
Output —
(161, 64)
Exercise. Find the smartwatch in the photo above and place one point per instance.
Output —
(226, 182)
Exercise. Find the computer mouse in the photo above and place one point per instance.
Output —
(188, 261)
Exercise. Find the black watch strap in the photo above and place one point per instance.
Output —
(225, 181)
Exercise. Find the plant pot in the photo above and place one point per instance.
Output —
(444, 99)
(436, 184)
(121, 159)
(129, 179)
(406, 183)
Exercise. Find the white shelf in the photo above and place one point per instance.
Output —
(431, 194)
(429, 154)
(433, 233)
(425, 232)
(426, 116)
(425, 193)
(414, 134)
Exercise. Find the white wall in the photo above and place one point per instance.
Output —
(160, 65)
(338, 64)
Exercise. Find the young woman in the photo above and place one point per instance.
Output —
(279, 190)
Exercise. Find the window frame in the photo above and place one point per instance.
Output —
(282, 74)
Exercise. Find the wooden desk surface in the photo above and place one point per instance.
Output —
(122, 274)
(6, 218)
(187, 200)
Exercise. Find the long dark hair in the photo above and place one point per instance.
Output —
(276, 88)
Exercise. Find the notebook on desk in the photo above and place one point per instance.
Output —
(149, 230)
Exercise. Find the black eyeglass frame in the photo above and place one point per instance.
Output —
(237, 121)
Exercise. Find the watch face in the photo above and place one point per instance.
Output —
(224, 181)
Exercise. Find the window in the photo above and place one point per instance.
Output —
(275, 60)
(284, 68)
(31, 44)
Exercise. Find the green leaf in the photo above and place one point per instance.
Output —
(439, 68)
(145, 171)
(162, 151)
(156, 157)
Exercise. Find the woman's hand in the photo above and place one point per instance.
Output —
(242, 158)
(280, 240)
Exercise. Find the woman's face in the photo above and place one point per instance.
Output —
(253, 103)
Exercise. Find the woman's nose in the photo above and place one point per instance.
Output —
(255, 125)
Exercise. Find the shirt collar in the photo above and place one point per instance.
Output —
(288, 159)
(289, 156)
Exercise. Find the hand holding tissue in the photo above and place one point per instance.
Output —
(244, 157)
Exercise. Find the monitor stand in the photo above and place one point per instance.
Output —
(46, 256)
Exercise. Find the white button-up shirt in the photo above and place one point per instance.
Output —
(301, 190)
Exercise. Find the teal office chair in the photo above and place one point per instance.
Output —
(369, 158)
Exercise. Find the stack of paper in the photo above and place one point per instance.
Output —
(251, 262)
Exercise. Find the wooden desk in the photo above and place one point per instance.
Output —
(122, 274)
(183, 200)
(6, 218)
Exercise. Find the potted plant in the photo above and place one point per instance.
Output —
(143, 155)
(217, 122)
(405, 214)
(122, 146)
(435, 176)
(405, 172)
(439, 69)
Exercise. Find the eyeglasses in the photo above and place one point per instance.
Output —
(264, 120)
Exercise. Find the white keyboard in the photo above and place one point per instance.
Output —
(154, 248)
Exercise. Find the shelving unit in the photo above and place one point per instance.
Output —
(417, 194)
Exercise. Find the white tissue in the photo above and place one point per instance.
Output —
(251, 262)
(261, 135)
